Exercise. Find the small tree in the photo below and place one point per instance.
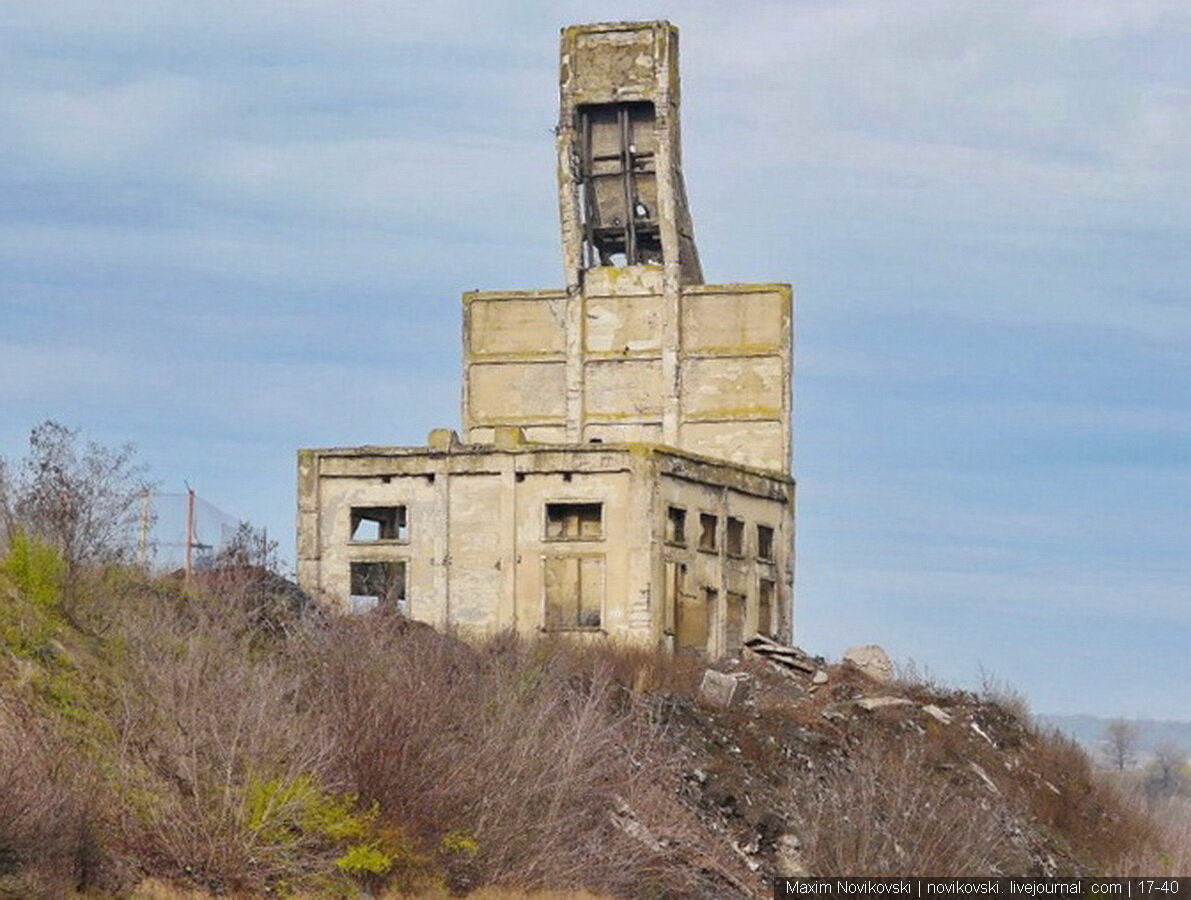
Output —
(1166, 774)
(1120, 743)
(84, 498)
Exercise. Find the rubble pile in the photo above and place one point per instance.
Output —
(767, 728)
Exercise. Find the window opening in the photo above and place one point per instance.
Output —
(378, 523)
(574, 521)
(618, 184)
(735, 537)
(676, 525)
(708, 525)
(378, 584)
(764, 542)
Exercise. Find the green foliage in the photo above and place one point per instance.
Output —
(35, 569)
(280, 808)
(365, 859)
(459, 842)
(292, 815)
(29, 613)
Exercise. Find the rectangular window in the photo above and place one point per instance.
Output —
(764, 542)
(708, 539)
(735, 537)
(676, 525)
(376, 584)
(574, 591)
(574, 521)
(378, 523)
(765, 608)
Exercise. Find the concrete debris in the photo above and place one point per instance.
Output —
(938, 714)
(872, 660)
(792, 658)
(984, 734)
(626, 820)
(988, 782)
(723, 688)
(788, 860)
(819, 678)
(871, 703)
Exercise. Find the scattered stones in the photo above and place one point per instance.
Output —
(820, 677)
(724, 689)
(938, 714)
(872, 660)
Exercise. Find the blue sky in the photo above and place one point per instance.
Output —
(220, 220)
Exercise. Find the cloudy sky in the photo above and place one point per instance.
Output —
(228, 230)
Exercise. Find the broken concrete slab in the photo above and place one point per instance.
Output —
(871, 703)
(793, 658)
(938, 714)
(724, 689)
(872, 660)
(820, 677)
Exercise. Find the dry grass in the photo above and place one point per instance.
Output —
(1165, 846)
(888, 812)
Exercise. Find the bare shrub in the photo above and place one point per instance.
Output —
(201, 717)
(47, 845)
(548, 765)
(82, 498)
(884, 812)
(1072, 801)
(998, 691)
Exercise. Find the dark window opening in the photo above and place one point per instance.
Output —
(708, 525)
(567, 476)
(378, 523)
(376, 584)
(618, 184)
(735, 537)
(676, 525)
(574, 521)
(764, 542)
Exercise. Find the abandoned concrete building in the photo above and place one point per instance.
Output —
(624, 466)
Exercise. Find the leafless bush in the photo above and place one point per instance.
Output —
(82, 498)
(521, 747)
(886, 813)
(47, 845)
(201, 715)
(995, 690)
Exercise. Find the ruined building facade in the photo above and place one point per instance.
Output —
(623, 468)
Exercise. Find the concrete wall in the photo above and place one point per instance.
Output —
(593, 365)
